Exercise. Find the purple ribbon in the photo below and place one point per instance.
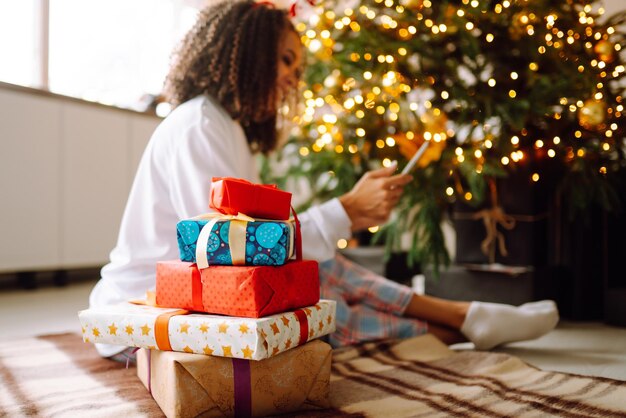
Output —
(132, 353)
(243, 391)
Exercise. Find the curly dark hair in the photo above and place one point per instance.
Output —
(231, 53)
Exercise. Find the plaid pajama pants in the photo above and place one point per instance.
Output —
(369, 306)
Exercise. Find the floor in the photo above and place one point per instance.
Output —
(585, 348)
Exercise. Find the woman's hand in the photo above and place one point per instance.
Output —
(371, 200)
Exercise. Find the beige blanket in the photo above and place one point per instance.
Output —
(60, 376)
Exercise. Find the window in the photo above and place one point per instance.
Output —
(18, 46)
(114, 52)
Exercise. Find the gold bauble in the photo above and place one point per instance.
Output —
(432, 153)
(592, 114)
(407, 147)
(394, 90)
(517, 29)
(450, 19)
(434, 121)
(605, 50)
(415, 5)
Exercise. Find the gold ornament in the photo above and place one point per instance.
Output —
(434, 121)
(415, 5)
(605, 50)
(407, 147)
(432, 153)
(450, 19)
(592, 114)
(349, 84)
(517, 29)
(394, 90)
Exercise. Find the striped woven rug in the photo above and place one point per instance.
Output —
(60, 376)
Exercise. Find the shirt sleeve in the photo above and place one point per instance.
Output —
(207, 150)
(322, 226)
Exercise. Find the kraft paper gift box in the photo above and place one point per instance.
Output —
(232, 196)
(190, 385)
(225, 336)
(236, 241)
(248, 291)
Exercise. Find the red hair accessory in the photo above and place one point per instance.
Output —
(292, 9)
(264, 3)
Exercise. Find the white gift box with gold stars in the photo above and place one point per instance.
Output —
(224, 336)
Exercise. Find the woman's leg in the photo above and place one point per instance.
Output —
(445, 312)
(485, 324)
(447, 335)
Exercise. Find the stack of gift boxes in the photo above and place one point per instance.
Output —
(233, 326)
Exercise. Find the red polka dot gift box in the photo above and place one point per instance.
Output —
(242, 291)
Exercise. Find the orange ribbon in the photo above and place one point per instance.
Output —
(196, 288)
(162, 322)
(161, 329)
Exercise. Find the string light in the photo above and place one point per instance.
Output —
(390, 83)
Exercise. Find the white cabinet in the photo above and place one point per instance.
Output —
(30, 134)
(94, 181)
(66, 168)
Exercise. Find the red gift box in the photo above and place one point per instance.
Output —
(232, 196)
(245, 291)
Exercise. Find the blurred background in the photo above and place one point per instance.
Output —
(79, 98)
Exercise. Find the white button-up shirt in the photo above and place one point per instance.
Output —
(196, 142)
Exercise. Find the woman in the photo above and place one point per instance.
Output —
(228, 78)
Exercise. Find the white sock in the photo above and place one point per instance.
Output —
(490, 324)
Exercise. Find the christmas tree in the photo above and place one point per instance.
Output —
(493, 87)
